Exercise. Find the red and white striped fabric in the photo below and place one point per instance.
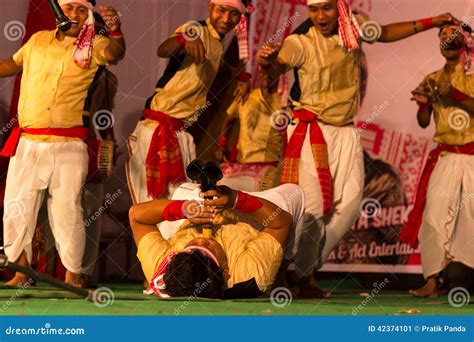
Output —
(84, 42)
(349, 30)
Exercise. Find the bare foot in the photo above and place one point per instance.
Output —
(308, 288)
(20, 280)
(74, 279)
(430, 289)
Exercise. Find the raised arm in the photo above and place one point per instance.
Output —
(398, 31)
(8, 67)
(115, 51)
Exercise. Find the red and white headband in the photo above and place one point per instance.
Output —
(157, 283)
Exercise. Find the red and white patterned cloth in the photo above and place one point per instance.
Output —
(84, 42)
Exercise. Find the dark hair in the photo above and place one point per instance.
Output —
(194, 274)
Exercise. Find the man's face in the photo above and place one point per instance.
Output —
(451, 41)
(213, 246)
(223, 18)
(78, 14)
(324, 17)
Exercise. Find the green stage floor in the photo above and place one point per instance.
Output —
(128, 300)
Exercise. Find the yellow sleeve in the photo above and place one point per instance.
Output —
(152, 249)
(25, 50)
(292, 52)
(98, 51)
(260, 260)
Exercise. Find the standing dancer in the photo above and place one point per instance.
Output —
(160, 147)
(324, 155)
(441, 219)
(47, 150)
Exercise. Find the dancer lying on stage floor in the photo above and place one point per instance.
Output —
(48, 155)
(250, 234)
(324, 155)
(442, 218)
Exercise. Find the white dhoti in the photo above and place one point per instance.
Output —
(138, 144)
(61, 168)
(447, 231)
(321, 234)
(288, 197)
(250, 177)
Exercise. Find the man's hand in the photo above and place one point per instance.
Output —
(225, 198)
(446, 19)
(421, 95)
(111, 18)
(242, 92)
(267, 54)
(195, 49)
(199, 214)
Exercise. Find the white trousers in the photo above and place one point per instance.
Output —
(321, 234)
(447, 231)
(60, 168)
(135, 168)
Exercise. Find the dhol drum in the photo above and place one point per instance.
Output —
(101, 160)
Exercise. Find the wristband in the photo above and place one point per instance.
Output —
(116, 34)
(222, 142)
(247, 203)
(180, 39)
(458, 95)
(414, 26)
(244, 76)
(173, 211)
(427, 23)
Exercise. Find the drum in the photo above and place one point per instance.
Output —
(101, 160)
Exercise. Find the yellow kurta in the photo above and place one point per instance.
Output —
(53, 88)
(258, 142)
(454, 126)
(250, 254)
(185, 93)
(329, 76)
